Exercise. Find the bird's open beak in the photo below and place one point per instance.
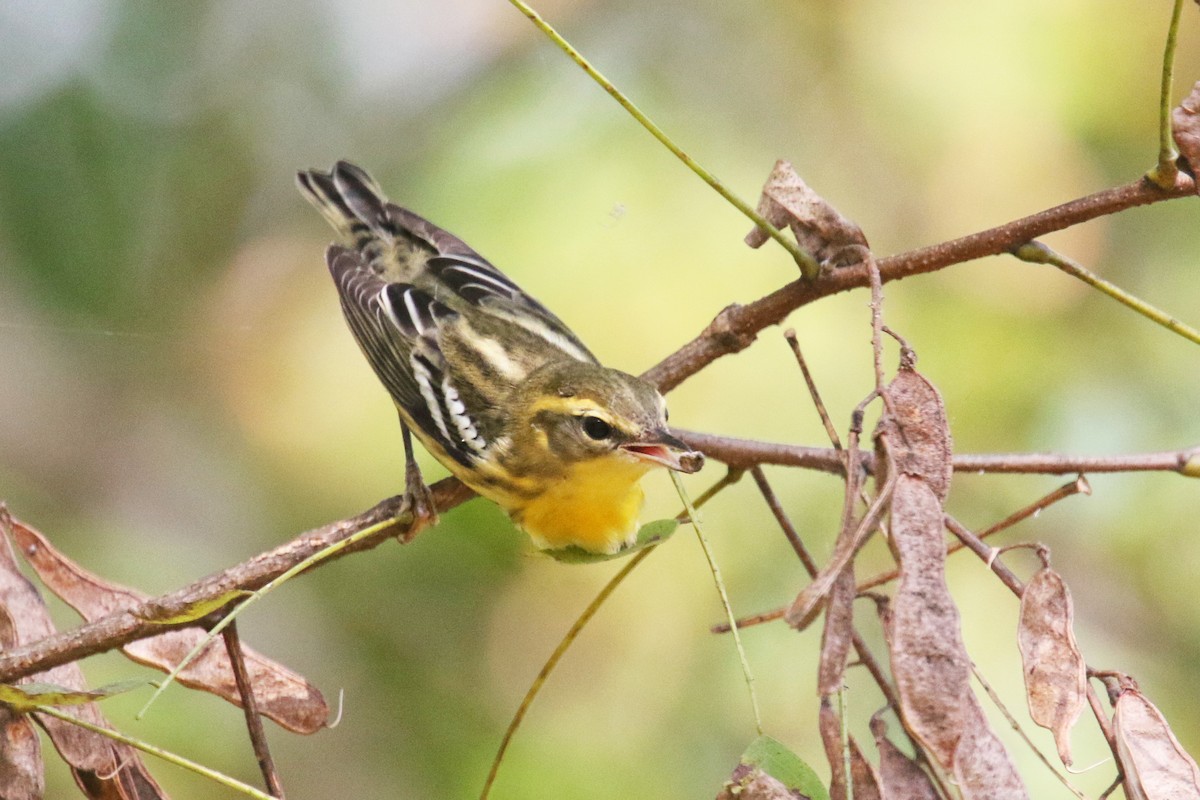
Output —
(666, 450)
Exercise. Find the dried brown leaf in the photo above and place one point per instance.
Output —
(929, 661)
(838, 633)
(914, 436)
(1185, 126)
(29, 621)
(804, 608)
(1156, 766)
(900, 777)
(103, 769)
(832, 239)
(80, 748)
(751, 783)
(21, 768)
(916, 432)
(1055, 672)
(982, 768)
(830, 728)
(862, 773)
(768, 770)
(23, 618)
(132, 781)
(282, 694)
(21, 774)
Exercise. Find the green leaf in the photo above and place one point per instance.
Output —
(648, 535)
(783, 765)
(29, 696)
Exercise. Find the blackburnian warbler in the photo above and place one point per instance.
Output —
(495, 386)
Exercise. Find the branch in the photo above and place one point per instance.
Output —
(733, 330)
(748, 453)
(736, 326)
(139, 622)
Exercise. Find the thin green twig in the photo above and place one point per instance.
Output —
(552, 662)
(1038, 253)
(716, 573)
(808, 265)
(731, 477)
(158, 752)
(1163, 174)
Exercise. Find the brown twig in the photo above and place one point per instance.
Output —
(736, 327)
(731, 331)
(117, 629)
(258, 736)
(1077, 486)
(1102, 719)
(810, 566)
(746, 453)
(785, 522)
(988, 554)
(865, 657)
(850, 540)
(876, 282)
(1014, 584)
(830, 428)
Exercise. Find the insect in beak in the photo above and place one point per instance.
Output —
(666, 450)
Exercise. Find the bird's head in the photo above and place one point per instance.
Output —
(578, 411)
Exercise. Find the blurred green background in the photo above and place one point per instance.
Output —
(178, 391)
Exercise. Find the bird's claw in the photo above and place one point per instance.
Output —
(418, 499)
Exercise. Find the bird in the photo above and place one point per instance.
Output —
(496, 387)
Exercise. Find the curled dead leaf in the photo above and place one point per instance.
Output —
(900, 777)
(1055, 672)
(1185, 127)
(862, 774)
(838, 633)
(281, 694)
(103, 769)
(929, 660)
(768, 770)
(21, 773)
(1156, 766)
(915, 432)
(29, 621)
(131, 780)
(786, 199)
(982, 768)
(751, 783)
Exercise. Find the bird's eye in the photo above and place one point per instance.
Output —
(596, 428)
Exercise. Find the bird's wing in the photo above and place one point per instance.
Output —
(399, 245)
(478, 283)
(399, 327)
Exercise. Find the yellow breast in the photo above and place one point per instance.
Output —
(595, 506)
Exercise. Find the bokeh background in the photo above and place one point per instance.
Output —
(178, 391)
